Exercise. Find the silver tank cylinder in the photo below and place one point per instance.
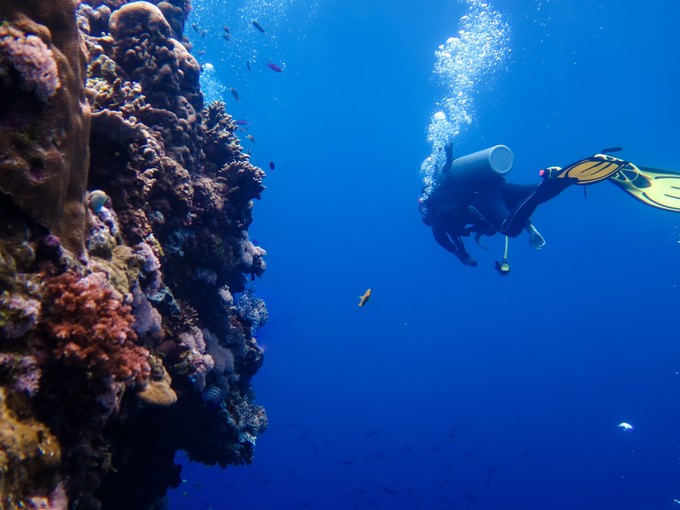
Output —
(483, 166)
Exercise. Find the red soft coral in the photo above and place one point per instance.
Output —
(92, 328)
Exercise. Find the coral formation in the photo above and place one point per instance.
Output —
(126, 322)
(45, 121)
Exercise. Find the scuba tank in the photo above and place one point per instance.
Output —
(482, 167)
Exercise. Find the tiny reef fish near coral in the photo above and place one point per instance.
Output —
(274, 67)
(234, 93)
(364, 299)
(251, 138)
(272, 166)
(258, 26)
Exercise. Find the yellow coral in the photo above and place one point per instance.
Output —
(29, 457)
(159, 392)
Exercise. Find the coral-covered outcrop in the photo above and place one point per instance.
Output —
(126, 319)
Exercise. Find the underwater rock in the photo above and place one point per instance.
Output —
(119, 333)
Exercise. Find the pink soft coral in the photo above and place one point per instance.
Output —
(92, 328)
(32, 60)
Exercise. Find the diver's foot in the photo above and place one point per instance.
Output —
(535, 238)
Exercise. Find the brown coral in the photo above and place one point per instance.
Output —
(92, 328)
(43, 155)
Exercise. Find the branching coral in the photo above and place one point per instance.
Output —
(92, 328)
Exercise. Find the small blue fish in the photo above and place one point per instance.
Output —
(272, 166)
(258, 26)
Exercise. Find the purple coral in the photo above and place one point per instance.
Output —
(30, 58)
(22, 372)
(18, 315)
(197, 361)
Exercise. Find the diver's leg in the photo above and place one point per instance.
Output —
(523, 200)
(488, 209)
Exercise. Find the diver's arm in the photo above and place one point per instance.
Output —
(449, 158)
(453, 244)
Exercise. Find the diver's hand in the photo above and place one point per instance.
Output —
(469, 261)
(535, 238)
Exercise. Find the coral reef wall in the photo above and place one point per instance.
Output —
(126, 322)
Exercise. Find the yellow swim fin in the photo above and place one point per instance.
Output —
(658, 188)
(589, 170)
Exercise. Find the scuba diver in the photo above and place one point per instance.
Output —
(473, 197)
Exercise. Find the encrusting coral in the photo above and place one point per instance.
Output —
(126, 322)
(45, 127)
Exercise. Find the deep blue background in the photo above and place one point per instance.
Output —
(533, 371)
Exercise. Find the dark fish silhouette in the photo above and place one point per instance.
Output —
(248, 65)
(609, 150)
(227, 37)
(258, 26)
(490, 472)
(234, 93)
(390, 490)
(226, 29)
(203, 34)
(195, 27)
(272, 166)
(453, 433)
(274, 67)
(468, 496)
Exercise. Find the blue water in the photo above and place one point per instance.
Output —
(453, 381)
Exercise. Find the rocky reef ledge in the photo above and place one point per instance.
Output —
(126, 322)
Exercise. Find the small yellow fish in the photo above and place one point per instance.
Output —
(364, 299)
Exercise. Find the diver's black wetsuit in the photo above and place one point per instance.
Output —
(456, 209)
